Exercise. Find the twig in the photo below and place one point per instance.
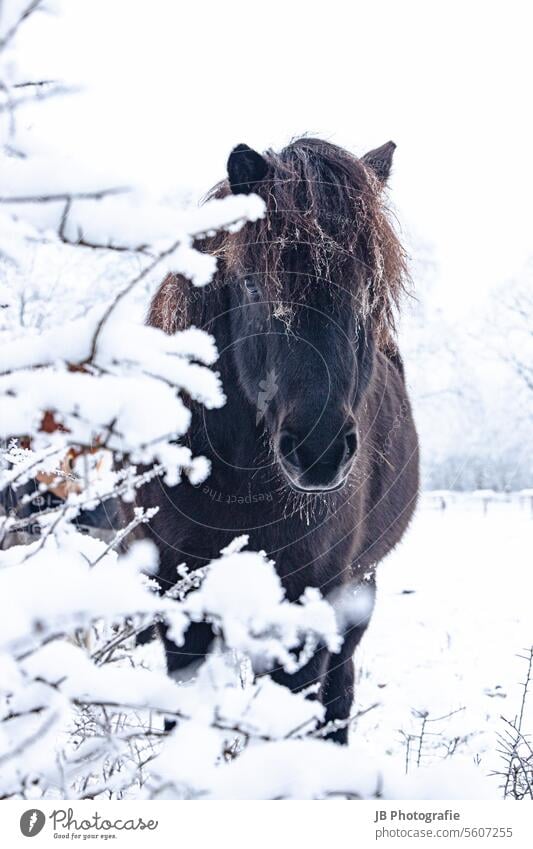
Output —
(125, 291)
(35, 83)
(98, 194)
(140, 519)
(36, 97)
(525, 686)
(14, 29)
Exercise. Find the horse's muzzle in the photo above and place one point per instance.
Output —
(317, 467)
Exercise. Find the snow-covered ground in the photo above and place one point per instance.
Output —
(453, 612)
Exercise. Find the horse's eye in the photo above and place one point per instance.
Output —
(251, 288)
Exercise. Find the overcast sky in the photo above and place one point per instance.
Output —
(173, 86)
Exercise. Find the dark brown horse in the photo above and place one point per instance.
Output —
(315, 453)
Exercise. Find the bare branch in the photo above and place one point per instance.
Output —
(10, 34)
(35, 97)
(63, 196)
(35, 83)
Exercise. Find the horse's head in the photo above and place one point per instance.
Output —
(313, 287)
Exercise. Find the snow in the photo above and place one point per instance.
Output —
(272, 710)
(295, 770)
(449, 622)
(122, 217)
(254, 615)
(133, 371)
(66, 591)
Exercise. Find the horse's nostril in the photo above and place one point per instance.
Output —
(350, 445)
(288, 442)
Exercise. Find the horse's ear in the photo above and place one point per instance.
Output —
(380, 160)
(246, 168)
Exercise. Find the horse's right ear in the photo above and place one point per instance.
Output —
(246, 168)
(380, 160)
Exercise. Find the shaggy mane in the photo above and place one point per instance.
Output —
(326, 224)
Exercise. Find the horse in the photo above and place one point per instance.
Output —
(315, 453)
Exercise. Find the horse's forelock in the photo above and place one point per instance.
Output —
(329, 203)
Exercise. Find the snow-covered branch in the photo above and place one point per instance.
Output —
(82, 710)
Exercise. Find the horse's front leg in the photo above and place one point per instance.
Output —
(334, 675)
(183, 661)
(313, 673)
(337, 693)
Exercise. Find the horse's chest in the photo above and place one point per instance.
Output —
(307, 549)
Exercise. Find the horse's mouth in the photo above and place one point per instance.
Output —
(320, 490)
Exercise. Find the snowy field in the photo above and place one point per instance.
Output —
(440, 656)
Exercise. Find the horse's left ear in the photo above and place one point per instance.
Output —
(246, 168)
(380, 160)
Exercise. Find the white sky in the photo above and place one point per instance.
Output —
(174, 86)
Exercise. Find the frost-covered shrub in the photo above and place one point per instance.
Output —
(82, 714)
(88, 396)
(81, 709)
